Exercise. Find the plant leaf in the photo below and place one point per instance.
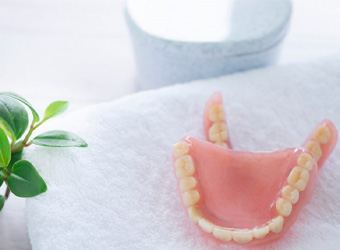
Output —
(5, 149)
(59, 138)
(13, 117)
(24, 101)
(2, 202)
(25, 181)
(14, 158)
(55, 108)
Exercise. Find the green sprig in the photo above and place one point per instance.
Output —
(20, 176)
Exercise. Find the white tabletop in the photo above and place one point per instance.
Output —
(79, 50)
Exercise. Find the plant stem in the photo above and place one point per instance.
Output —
(32, 128)
(24, 143)
(7, 192)
(28, 135)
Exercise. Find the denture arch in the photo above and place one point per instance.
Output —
(274, 185)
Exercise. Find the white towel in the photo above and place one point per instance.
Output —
(120, 193)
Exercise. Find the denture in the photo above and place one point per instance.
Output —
(246, 197)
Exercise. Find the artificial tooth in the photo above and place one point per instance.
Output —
(223, 234)
(260, 232)
(218, 132)
(206, 225)
(294, 175)
(290, 193)
(305, 160)
(298, 178)
(180, 149)
(184, 166)
(314, 149)
(301, 184)
(283, 207)
(187, 183)
(190, 198)
(322, 134)
(242, 236)
(194, 214)
(276, 224)
(216, 113)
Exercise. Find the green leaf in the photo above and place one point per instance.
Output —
(2, 177)
(25, 181)
(59, 138)
(5, 149)
(24, 101)
(2, 202)
(55, 108)
(13, 117)
(15, 157)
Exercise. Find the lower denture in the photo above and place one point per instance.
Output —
(247, 197)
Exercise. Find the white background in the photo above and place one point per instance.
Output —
(79, 50)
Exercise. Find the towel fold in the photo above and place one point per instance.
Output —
(120, 192)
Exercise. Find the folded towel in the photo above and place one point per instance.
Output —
(120, 193)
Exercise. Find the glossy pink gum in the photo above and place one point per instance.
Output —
(239, 189)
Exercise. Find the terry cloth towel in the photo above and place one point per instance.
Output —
(120, 192)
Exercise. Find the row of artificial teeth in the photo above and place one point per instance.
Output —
(241, 236)
(299, 175)
(185, 171)
(297, 182)
(218, 130)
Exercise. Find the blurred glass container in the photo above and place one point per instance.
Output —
(182, 40)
